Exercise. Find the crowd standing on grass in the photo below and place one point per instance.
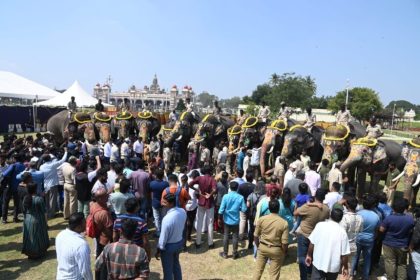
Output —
(119, 200)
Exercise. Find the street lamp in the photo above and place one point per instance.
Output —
(392, 121)
(347, 94)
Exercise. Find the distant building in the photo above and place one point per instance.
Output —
(151, 97)
(410, 115)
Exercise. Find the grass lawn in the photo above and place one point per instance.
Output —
(196, 264)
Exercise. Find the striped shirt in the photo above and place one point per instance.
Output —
(124, 260)
(141, 227)
(73, 256)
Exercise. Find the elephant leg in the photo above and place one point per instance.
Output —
(413, 200)
(361, 182)
(374, 183)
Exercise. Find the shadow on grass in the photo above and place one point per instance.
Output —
(12, 269)
(17, 229)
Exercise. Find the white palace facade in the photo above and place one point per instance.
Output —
(151, 97)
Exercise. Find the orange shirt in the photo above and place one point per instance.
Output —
(183, 196)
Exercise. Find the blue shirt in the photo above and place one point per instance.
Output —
(370, 225)
(301, 199)
(12, 171)
(37, 177)
(398, 229)
(385, 209)
(157, 187)
(238, 180)
(140, 230)
(232, 204)
(240, 161)
(172, 227)
(50, 172)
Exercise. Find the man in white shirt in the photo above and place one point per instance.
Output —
(333, 196)
(312, 178)
(335, 174)
(290, 173)
(101, 182)
(73, 252)
(125, 149)
(138, 147)
(329, 248)
(107, 151)
(115, 152)
(205, 155)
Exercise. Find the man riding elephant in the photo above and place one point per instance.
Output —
(284, 112)
(309, 120)
(264, 112)
(343, 116)
(373, 156)
(373, 129)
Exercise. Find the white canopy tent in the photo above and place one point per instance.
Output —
(15, 86)
(82, 98)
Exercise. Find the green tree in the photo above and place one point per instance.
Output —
(319, 102)
(260, 93)
(295, 90)
(180, 106)
(275, 79)
(231, 103)
(363, 102)
(401, 104)
(206, 98)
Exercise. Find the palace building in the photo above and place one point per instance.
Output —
(151, 97)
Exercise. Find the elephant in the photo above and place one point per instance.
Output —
(411, 173)
(182, 131)
(336, 140)
(103, 126)
(252, 132)
(272, 144)
(212, 130)
(373, 156)
(298, 139)
(123, 125)
(147, 125)
(79, 126)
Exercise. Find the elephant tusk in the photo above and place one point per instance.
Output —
(333, 166)
(179, 138)
(398, 177)
(319, 168)
(417, 181)
(271, 150)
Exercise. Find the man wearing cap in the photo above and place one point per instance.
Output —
(290, 173)
(373, 129)
(335, 175)
(72, 107)
(284, 112)
(343, 116)
(309, 120)
(264, 112)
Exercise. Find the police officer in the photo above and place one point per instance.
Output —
(125, 106)
(242, 117)
(72, 107)
(217, 111)
(310, 119)
(373, 129)
(284, 112)
(271, 237)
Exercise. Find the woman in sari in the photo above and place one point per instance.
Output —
(35, 231)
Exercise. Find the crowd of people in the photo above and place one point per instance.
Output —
(116, 197)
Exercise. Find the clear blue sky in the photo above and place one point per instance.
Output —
(224, 47)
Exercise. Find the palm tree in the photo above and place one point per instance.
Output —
(275, 79)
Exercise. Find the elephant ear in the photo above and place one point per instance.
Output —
(155, 126)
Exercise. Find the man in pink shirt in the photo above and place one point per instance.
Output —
(312, 178)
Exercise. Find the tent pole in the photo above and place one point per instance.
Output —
(34, 111)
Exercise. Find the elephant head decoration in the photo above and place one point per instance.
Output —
(252, 132)
(411, 176)
(123, 125)
(213, 129)
(147, 125)
(298, 139)
(103, 126)
(373, 156)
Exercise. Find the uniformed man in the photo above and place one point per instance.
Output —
(284, 112)
(189, 106)
(71, 107)
(217, 111)
(264, 112)
(310, 119)
(373, 129)
(99, 107)
(271, 237)
(242, 117)
(343, 116)
(173, 117)
(125, 106)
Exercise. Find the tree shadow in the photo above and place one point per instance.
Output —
(154, 276)
(11, 231)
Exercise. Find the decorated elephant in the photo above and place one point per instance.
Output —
(103, 126)
(298, 139)
(147, 125)
(212, 129)
(123, 125)
(372, 156)
(336, 140)
(272, 144)
(411, 176)
(252, 132)
(79, 126)
(182, 131)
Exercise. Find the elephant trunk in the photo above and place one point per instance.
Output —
(267, 144)
(350, 162)
(287, 149)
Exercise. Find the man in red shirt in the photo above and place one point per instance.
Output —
(206, 189)
(273, 184)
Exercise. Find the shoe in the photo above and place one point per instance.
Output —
(4, 222)
(17, 221)
(235, 256)
(223, 255)
(197, 246)
(211, 246)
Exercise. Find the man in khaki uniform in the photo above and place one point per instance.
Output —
(271, 237)
(70, 194)
(343, 116)
(373, 130)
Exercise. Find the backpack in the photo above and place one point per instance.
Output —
(91, 230)
(178, 190)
